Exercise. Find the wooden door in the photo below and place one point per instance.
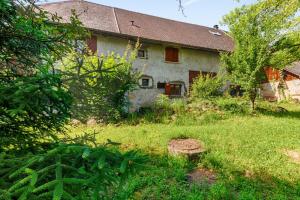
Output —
(192, 76)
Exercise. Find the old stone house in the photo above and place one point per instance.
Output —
(172, 54)
(291, 76)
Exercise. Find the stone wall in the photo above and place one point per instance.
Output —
(156, 67)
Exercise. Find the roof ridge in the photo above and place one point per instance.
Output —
(177, 21)
(188, 23)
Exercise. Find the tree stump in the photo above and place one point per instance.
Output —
(188, 147)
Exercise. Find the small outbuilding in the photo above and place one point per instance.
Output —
(291, 76)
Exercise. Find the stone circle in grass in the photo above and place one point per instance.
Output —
(189, 147)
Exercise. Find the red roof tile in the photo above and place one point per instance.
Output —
(294, 68)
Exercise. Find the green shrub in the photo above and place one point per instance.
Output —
(169, 106)
(178, 106)
(32, 108)
(232, 105)
(33, 102)
(162, 102)
(99, 85)
(207, 86)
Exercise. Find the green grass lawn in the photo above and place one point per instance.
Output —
(236, 145)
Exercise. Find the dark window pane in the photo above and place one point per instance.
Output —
(175, 90)
(161, 85)
(145, 82)
(92, 43)
(142, 53)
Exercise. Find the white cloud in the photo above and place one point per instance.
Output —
(190, 2)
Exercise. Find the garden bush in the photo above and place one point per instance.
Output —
(169, 106)
(99, 84)
(206, 86)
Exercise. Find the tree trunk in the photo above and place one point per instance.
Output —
(252, 97)
(281, 86)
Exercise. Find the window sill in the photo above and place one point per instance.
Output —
(146, 87)
(175, 96)
(170, 62)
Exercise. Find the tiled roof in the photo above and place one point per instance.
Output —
(118, 21)
(294, 68)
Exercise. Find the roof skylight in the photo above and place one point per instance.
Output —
(215, 33)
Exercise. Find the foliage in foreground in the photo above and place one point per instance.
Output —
(66, 171)
(32, 108)
(33, 103)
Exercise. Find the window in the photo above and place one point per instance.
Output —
(142, 53)
(215, 33)
(92, 43)
(161, 85)
(171, 54)
(145, 82)
(175, 90)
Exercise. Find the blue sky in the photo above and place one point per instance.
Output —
(203, 12)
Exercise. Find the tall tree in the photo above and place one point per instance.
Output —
(33, 103)
(265, 34)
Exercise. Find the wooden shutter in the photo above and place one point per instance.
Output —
(272, 74)
(168, 89)
(192, 76)
(92, 43)
(172, 54)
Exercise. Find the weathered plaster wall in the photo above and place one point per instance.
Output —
(155, 66)
(270, 90)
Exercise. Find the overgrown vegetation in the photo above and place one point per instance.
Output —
(246, 151)
(206, 86)
(66, 171)
(35, 163)
(33, 103)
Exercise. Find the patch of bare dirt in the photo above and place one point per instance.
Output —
(202, 175)
(249, 174)
(293, 155)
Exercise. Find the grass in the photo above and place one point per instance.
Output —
(237, 145)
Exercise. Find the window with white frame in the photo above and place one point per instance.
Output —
(142, 53)
(146, 82)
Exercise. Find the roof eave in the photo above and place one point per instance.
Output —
(132, 37)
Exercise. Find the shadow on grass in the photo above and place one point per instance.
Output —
(165, 178)
(280, 112)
